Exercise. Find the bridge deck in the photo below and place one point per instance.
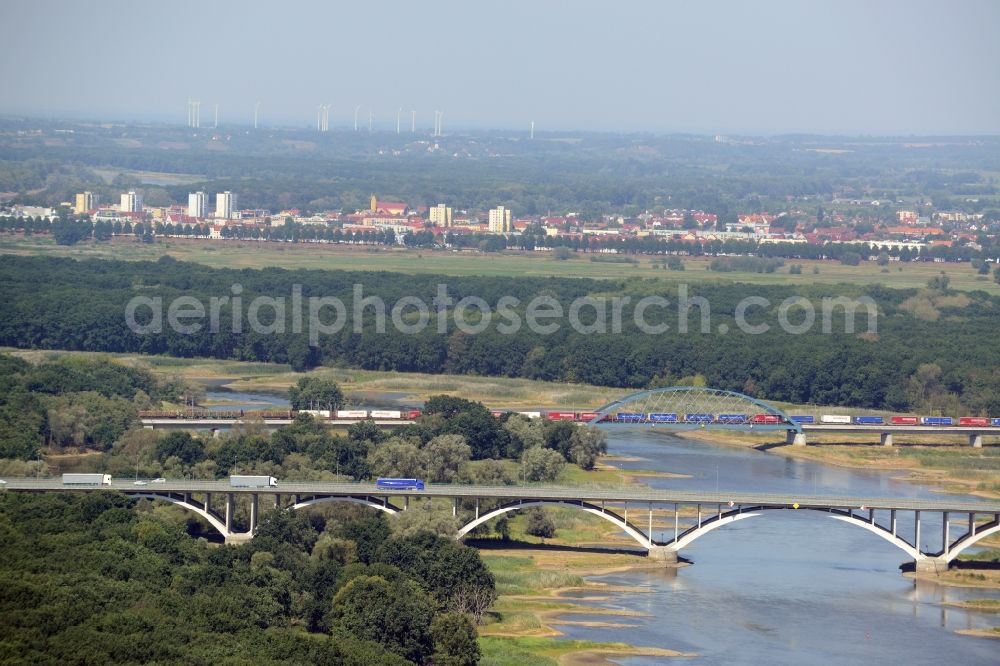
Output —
(528, 492)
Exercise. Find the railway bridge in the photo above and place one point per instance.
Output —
(901, 522)
(666, 409)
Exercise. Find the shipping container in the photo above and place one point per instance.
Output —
(413, 414)
(386, 414)
(996, 422)
(733, 418)
(319, 413)
(663, 417)
(699, 418)
(561, 416)
(629, 417)
(253, 481)
(531, 415)
(834, 418)
(86, 479)
(904, 420)
(767, 419)
(869, 420)
(352, 414)
(936, 420)
(802, 418)
(587, 417)
(973, 421)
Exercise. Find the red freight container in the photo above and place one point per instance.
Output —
(586, 416)
(766, 418)
(413, 413)
(905, 420)
(973, 421)
(562, 416)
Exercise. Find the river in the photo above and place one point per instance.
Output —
(785, 587)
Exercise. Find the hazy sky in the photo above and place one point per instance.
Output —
(769, 66)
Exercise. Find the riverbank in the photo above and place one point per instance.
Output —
(540, 585)
(945, 464)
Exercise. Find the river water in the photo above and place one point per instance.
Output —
(786, 587)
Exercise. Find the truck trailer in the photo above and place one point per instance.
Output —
(86, 479)
(253, 481)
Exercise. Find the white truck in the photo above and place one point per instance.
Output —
(253, 481)
(86, 479)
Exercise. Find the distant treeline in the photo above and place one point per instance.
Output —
(932, 348)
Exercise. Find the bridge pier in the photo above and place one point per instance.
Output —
(795, 438)
(933, 565)
(237, 539)
(976, 440)
(886, 438)
(663, 554)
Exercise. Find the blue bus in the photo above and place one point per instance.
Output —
(663, 417)
(400, 484)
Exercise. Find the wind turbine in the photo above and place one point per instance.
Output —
(398, 111)
(356, 109)
(532, 129)
(216, 116)
(413, 121)
(256, 113)
(371, 119)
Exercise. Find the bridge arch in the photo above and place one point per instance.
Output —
(727, 517)
(374, 502)
(696, 400)
(192, 506)
(517, 505)
(970, 538)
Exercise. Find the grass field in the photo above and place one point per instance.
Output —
(250, 254)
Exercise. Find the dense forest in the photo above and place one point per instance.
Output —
(933, 350)
(98, 578)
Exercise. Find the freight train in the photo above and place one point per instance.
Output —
(339, 414)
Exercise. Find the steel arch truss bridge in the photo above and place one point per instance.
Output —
(689, 408)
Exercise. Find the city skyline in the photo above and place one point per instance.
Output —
(777, 67)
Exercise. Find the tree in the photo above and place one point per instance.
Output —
(316, 393)
(455, 641)
(443, 456)
(398, 457)
(850, 258)
(586, 444)
(541, 464)
(539, 524)
(182, 445)
(395, 614)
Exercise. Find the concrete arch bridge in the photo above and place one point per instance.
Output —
(905, 523)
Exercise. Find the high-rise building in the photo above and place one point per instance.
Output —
(85, 201)
(198, 204)
(131, 202)
(225, 204)
(441, 216)
(501, 221)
